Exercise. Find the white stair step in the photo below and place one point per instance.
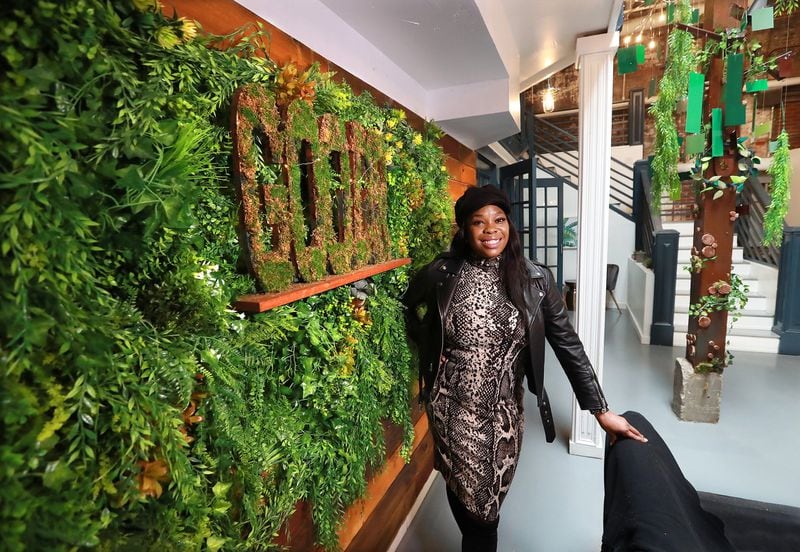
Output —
(756, 304)
(685, 253)
(683, 283)
(738, 342)
(750, 322)
(684, 227)
(682, 306)
(742, 269)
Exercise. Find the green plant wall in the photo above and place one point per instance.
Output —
(139, 411)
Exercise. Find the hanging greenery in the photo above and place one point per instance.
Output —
(780, 170)
(681, 60)
(139, 411)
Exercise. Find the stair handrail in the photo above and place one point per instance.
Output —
(661, 246)
(750, 225)
(562, 154)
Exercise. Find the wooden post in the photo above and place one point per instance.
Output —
(713, 227)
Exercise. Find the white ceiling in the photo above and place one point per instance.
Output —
(459, 62)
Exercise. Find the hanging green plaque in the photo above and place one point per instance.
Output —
(652, 87)
(762, 129)
(694, 107)
(640, 54)
(626, 60)
(734, 110)
(759, 85)
(695, 144)
(762, 19)
(695, 16)
(716, 132)
(670, 12)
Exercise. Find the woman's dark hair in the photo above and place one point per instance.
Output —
(513, 270)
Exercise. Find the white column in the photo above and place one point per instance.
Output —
(595, 59)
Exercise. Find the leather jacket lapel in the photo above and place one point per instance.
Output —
(450, 269)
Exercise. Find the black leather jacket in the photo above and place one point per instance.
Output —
(432, 289)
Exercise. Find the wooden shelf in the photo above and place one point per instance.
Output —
(260, 302)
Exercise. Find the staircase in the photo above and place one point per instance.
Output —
(556, 153)
(753, 330)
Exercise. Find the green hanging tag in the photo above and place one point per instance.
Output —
(626, 60)
(640, 54)
(734, 110)
(773, 146)
(762, 129)
(694, 108)
(762, 19)
(695, 16)
(670, 12)
(760, 85)
(716, 132)
(695, 144)
(652, 87)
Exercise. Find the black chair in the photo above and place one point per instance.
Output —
(612, 273)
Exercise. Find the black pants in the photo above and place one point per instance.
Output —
(476, 535)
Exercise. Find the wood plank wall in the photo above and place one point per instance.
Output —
(371, 523)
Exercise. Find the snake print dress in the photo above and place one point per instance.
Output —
(476, 401)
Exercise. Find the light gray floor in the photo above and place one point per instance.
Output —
(556, 502)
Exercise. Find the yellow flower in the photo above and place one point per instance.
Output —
(391, 123)
(398, 145)
(389, 136)
(444, 169)
(188, 29)
(145, 5)
(167, 38)
(388, 158)
(417, 140)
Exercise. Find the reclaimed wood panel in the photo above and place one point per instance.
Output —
(260, 302)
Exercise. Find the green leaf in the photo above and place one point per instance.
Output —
(718, 194)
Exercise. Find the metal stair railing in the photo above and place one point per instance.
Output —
(750, 226)
(661, 246)
(557, 150)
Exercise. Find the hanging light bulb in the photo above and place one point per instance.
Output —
(639, 38)
(651, 44)
(549, 99)
(662, 17)
(627, 40)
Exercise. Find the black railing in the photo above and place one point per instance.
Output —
(661, 246)
(557, 150)
(787, 304)
(750, 226)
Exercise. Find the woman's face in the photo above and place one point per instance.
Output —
(487, 231)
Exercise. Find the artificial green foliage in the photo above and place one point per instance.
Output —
(723, 296)
(780, 170)
(786, 7)
(681, 61)
(139, 411)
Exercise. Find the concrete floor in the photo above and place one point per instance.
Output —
(556, 502)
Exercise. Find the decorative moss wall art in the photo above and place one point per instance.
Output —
(288, 190)
(139, 411)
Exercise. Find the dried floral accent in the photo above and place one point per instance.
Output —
(167, 38)
(291, 85)
(153, 474)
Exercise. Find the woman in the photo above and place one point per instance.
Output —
(478, 316)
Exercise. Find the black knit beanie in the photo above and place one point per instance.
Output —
(476, 198)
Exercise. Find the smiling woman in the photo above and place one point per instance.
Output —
(486, 313)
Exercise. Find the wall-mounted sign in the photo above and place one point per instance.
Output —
(312, 190)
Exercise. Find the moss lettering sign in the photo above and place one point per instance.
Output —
(312, 191)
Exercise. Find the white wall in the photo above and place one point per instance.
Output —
(621, 240)
(640, 298)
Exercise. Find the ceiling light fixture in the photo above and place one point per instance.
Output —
(639, 37)
(627, 40)
(549, 99)
(652, 44)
